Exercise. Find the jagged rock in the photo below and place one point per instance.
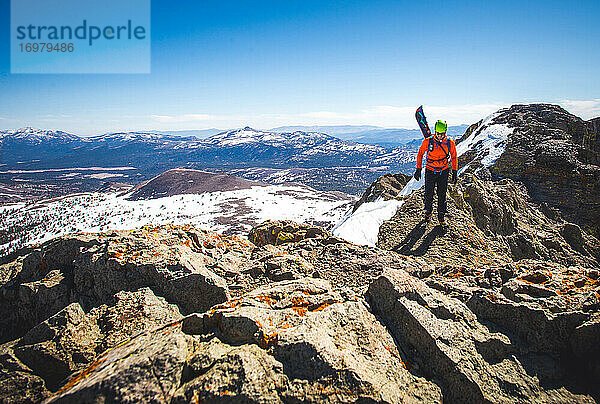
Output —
(556, 155)
(71, 340)
(10, 269)
(277, 232)
(280, 265)
(318, 345)
(573, 235)
(491, 224)
(462, 245)
(24, 305)
(146, 368)
(386, 187)
(17, 383)
(174, 271)
(294, 341)
(350, 265)
(39, 285)
(59, 346)
(473, 363)
(189, 267)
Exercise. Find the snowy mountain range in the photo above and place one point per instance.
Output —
(241, 147)
(375, 135)
(226, 203)
(147, 154)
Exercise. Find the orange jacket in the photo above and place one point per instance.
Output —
(437, 154)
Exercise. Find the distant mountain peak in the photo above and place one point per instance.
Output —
(36, 135)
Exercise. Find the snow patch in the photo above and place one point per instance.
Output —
(362, 226)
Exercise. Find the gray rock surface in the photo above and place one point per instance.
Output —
(386, 187)
(556, 155)
(288, 342)
(475, 363)
(72, 340)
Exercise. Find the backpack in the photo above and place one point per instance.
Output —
(431, 147)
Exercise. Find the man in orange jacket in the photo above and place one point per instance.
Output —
(440, 152)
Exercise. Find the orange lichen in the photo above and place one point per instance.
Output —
(455, 273)
(299, 305)
(301, 311)
(227, 305)
(265, 299)
(311, 292)
(83, 374)
(266, 341)
(387, 348)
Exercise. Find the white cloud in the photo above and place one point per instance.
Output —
(379, 115)
(585, 109)
(183, 118)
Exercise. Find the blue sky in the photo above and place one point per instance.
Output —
(228, 64)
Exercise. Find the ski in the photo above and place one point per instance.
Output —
(422, 121)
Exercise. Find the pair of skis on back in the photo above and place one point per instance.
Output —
(422, 121)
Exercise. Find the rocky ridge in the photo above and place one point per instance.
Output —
(555, 154)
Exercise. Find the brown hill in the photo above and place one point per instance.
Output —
(185, 181)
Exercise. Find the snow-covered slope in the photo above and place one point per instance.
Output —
(487, 142)
(231, 212)
(362, 226)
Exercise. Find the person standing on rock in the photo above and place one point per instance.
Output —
(440, 152)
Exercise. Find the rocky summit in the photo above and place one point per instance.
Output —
(502, 305)
(555, 154)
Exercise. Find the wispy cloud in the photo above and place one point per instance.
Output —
(586, 109)
(396, 116)
(184, 118)
(379, 115)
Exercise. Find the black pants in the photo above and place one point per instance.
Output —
(441, 180)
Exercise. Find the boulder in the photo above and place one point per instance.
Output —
(147, 368)
(42, 360)
(473, 363)
(277, 232)
(177, 274)
(189, 267)
(388, 186)
(39, 284)
(292, 341)
(318, 344)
